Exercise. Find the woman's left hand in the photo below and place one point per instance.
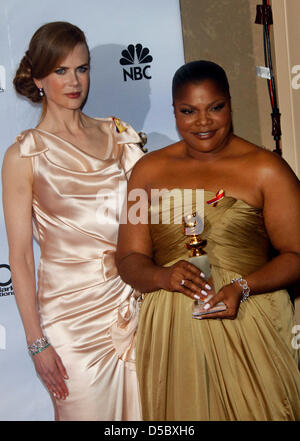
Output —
(231, 295)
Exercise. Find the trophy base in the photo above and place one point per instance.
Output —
(199, 310)
(203, 264)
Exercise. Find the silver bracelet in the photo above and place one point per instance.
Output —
(38, 345)
(243, 284)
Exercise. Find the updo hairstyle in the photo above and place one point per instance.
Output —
(198, 71)
(50, 44)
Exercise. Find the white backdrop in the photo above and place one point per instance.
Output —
(144, 102)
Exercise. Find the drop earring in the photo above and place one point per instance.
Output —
(41, 91)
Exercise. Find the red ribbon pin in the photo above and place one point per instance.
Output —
(219, 195)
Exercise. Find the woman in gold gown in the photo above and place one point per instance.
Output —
(69, 173)
(240, 363)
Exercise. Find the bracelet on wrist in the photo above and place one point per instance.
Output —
(245, 288)
(38, 345)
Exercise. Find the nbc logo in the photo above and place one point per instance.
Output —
(136, 55)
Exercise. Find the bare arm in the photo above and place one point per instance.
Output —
(281, 190)
(134, 252)
(17, 204)
(281, 193)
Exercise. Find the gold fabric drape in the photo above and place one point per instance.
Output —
(242, 369)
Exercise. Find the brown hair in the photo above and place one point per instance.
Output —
(50, 44)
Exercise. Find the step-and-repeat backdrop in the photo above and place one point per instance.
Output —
(138, 92)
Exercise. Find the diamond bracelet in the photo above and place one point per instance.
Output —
(243, 284)
(38, 345)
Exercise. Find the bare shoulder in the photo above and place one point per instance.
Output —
(11, 156)
(272, 167)
(91, 121)
(161, 155)
(265, 163)
(12, 152)
(153, 163)
(14, 166)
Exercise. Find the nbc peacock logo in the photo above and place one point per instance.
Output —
(136, 55)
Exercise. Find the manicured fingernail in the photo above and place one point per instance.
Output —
(203, 275)
(207, 286)
(207, 306)
(204, 293)
(196, 297)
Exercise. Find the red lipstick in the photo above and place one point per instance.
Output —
(73, 95)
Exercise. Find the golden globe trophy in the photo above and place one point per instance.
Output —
(193, 227)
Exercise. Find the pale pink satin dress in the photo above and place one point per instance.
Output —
(88, 313)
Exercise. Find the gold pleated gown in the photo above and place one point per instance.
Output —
(88, 313)
(218, 370)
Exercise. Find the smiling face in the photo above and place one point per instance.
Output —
(67, 86)
(203, 117)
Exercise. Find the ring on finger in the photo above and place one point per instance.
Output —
(182, 282)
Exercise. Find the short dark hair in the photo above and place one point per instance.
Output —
(198, 71)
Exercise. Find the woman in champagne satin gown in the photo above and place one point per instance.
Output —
(241, 363)
(87, 313)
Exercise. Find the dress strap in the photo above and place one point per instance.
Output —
(31, 143)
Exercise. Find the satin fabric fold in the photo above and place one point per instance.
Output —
(82, 300)
(217, 370)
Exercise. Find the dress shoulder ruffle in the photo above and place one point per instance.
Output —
(31, 143)
(131, 151)
(127, 141)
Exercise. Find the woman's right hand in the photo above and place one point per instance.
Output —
(186, 278)
(50, 368)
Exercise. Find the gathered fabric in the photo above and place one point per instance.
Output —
(88, 313)
(244, 369)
